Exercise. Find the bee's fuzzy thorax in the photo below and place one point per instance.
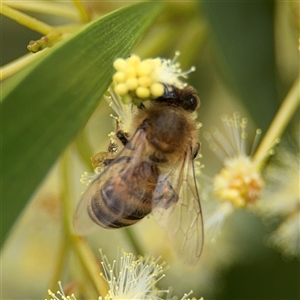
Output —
(170, 130)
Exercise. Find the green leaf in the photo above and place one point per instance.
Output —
(244, 39)
(44, 109)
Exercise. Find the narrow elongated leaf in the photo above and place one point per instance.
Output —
(46, 108)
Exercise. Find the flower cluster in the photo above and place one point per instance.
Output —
(130, 278)
(60, 295)
(240, 180)
(239, 183)
(137, 80)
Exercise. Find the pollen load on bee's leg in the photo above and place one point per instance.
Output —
(164, 195)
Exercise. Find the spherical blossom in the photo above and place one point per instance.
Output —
(136, 80)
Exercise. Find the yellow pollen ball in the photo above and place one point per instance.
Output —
(156, 89)
(130, 71)
(120, 64)
(121, 89)
(142, 92)
(133, 60)
(119, 77)
(131, 83)
(154, 76)
(144, 81)
(144, 68)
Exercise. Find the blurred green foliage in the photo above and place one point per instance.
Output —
(233, 44)
(52, 99)
(243, 34)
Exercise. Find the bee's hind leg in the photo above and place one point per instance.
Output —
(104, 158)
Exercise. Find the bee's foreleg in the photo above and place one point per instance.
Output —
(122, 136)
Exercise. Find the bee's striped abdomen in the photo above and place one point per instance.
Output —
(125, 198)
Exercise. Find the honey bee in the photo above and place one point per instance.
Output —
(154, 172)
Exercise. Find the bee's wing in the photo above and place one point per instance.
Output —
(82, 223)
(177, 208)
(126, 161)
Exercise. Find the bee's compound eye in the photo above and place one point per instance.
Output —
(190, 103)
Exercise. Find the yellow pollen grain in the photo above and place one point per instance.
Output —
(132, 83)
(154, 76)
(142, 92)
(130, 71)
(156, 89)
(120, 64)
(144, 68)
(144, 81)
(133, 60)
(119, 77)
(121, 89)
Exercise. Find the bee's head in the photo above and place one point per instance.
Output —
(186, 98)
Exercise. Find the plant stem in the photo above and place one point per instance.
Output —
(132, 239)
(54, 9)
(26, 20)
(279, 123)
(18, 64)
(82, 249)
(90, 264)
(82, 11)
(61, 262)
